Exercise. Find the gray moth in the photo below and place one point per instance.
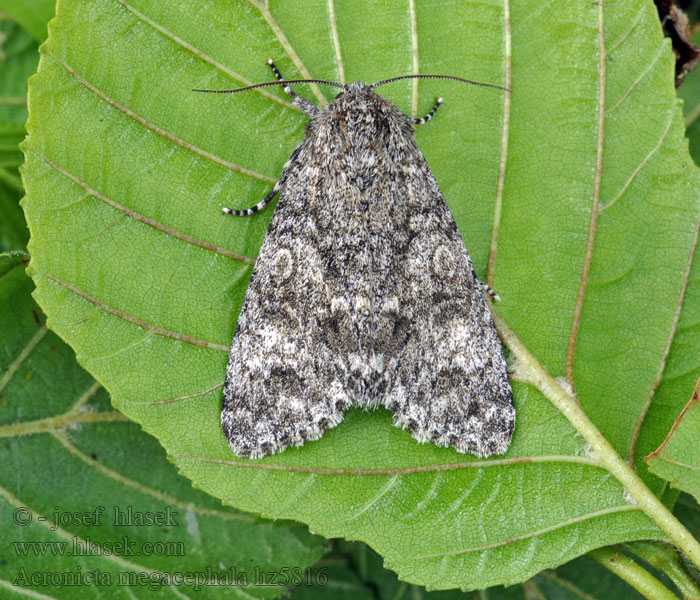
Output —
(363, 294)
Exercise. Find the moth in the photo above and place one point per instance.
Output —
(363, 294)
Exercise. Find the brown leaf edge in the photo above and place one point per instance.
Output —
(694, 398)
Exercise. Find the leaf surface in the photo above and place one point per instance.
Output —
(588, 222)
(690, 93)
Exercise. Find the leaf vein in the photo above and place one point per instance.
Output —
(13, 101)
(641, 165)
(18, 589)
(22, 356)
(430, 495)
(135, 320)
(336, 41)
(58, 422)
(87, 395)
(146, 220)
(531, 534)
(279, 34)
(478, 464)
(308, 482)
(204, 57)
(636, 82)
(146, 337)
(159, 130)
(391, 482)
(149, 491)
(567, 585)
(498, 204)
(578, 309)
(185, 397)
(630, 29)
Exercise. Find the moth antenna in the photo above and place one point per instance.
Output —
(269, 83)
(479, 83)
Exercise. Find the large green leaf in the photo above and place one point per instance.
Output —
(33, 15)
(18, 60)
(595, 220)
(65, 450)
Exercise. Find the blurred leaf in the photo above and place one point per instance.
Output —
(127, 170)
(690, 93)
(63, 449)
(18, 60)
(688, 512)
(33, 15)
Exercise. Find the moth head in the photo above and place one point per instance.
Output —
(353, 92)
(359, 87)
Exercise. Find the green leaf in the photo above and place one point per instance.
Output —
(65, 450)
(688, 512)
(357, 571)
(595, 220)
(33, 15)
(18, 60)
(677, 459)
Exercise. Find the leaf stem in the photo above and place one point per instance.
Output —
(633, 573)
(59, 422)
(666, 559)
(531, 371)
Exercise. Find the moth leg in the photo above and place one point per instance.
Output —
(431, 114)
(258, 207)
(308, 107)
(486, 287)
(490, 291)
(267, 199)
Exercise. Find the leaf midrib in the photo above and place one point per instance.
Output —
(142, 218)
(267, 466)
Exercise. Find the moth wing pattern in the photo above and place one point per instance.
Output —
(282, 384)
(451, 386)
(364, 294)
